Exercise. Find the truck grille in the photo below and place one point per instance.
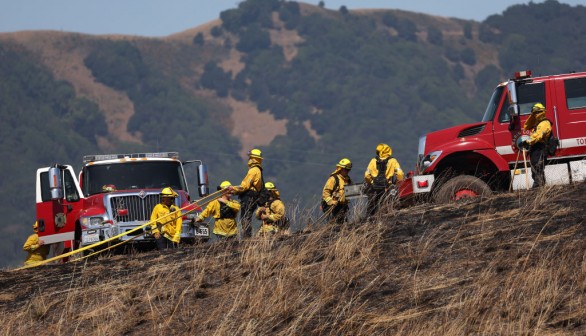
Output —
(471, 131)
(133, 208)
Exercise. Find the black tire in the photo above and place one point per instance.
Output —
(461, 187)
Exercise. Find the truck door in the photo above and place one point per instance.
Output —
(503, 137)
(527, 94)
(570, 109)
(57, 217)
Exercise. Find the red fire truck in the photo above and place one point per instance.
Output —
(114, 194)
(480, 158)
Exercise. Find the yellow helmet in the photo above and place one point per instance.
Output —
(36, 226)
(379, 148)
(168, 192)
(537, 108)
(270, 186)
(345, 163)
(108, 188)
(255, 153)
(224, 185)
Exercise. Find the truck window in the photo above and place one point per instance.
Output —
(529, 94)
(71, 194)
(45, 191)
(493, 103)
(504, 113)
(133, 175)
(69, 189)
(575, 92)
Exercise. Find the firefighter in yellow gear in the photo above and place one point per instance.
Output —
(224, 211)
(35, 247)
(540, 128)
(249, 189)
(272, 213)
(333, 196)
(167, 230)
(380, 186)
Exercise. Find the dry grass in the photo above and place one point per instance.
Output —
(513, 264)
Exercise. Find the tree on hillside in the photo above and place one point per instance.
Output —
(467, 29)
(253, 38)
(215, 78)
(198, 39)
(435, 36)
(118, 64)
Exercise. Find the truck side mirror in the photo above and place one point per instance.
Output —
(55, 183)
(202, 180)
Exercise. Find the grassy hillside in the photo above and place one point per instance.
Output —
(307, 85)
(510, 264)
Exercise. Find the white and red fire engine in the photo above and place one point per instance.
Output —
(480, 158)
(114, 194)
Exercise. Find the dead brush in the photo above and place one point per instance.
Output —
(499, 266)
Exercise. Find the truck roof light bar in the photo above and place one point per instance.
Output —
(103, 157)
(522, 74)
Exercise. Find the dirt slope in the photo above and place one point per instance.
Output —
(511, 264)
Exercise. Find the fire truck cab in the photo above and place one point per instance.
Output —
(480, 158)
(113, 194)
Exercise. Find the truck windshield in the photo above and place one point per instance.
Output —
(493, 104)
(133, 175)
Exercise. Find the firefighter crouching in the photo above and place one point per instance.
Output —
(540, 128)
(272, 213)
(381, 176)
(248, 190)
(333, 198)
(167, 231)
(35, 247)
(224, 211)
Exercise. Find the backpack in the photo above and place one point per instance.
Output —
(552, 143)
(227, 212)
(263, 194)
(380, 181)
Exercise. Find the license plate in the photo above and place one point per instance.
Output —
(201, 231)
(90, 237)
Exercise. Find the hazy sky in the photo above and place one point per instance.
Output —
(165, 17)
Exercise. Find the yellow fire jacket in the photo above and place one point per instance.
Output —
(170, 226)
(35, 251)
(222, 226)
(253, 179)
(540, 131)
(329, 195)
(393, 167)
(276, 211)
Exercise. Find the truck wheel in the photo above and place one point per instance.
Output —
(461, 187)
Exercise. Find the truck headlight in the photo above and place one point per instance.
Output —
(92, 221)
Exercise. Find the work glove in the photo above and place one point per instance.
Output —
(524, 145)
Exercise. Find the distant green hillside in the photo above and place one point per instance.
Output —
(344, 81)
